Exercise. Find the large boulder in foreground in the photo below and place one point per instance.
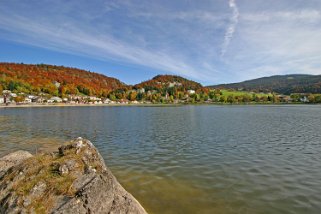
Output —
(74, 179)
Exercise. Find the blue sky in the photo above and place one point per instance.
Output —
(217, 41)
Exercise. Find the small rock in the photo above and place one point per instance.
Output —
(90, 169)
(26, 202)
(38, 189)
(63, 169)
(71, 165)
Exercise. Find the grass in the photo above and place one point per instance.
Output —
(242, 93)
(45, 168)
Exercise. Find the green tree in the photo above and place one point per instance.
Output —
(112, 97)
(230, 99)
(223, 99)
(311, 98)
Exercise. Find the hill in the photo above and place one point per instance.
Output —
(169, 81)
(283, 84)
(55, 80)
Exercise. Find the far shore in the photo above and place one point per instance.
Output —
(144, 104)
(84, 105)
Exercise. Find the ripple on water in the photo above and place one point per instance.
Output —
(192, 159)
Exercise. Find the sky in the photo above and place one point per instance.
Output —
(209, 41)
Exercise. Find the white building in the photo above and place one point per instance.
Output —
(92, 98)
(1, 100)
(191, 91)
(13, 95)
(107, 101)
(32, 97)
(141, 90)
(172, 84)
(54, 100)
(57, 84)
(304, 99)
(27, 100)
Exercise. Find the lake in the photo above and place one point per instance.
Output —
(191, 159)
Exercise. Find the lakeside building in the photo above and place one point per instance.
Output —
(54, 100)
(191, 91)
(141, 90)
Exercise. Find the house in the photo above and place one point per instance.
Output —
(6, 92)
(1, 100)
(106, 101)
(304, 99)
(92, 98)
(191, 91)
(141, 90)
(54, 100)
(57, 84)
(151, 92)
(27, 100)
(13, 95)
(37, 99)
(172, 84)
(31, 96)
(75, 98)
(284, 98)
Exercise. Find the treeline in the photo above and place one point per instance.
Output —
(50, 80)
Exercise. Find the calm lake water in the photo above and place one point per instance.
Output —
(191, 159)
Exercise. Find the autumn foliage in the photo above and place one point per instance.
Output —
(55, 80)
(163, 81)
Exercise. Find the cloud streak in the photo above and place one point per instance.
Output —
(231, 28)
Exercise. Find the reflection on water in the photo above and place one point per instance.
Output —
(191, 159)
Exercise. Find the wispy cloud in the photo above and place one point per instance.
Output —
(105, 47)
(311, 15)
(231, 28)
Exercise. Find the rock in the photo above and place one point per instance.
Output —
(38, 189)
(63, 169)
(12, 159)
(73, 180)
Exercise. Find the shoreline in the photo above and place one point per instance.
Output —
(151, 105)
(84, 105)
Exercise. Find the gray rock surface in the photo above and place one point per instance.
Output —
(12, 159)
(73, 180)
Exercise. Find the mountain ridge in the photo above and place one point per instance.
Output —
(282, 84)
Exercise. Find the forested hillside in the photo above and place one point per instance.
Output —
(169, 81)
(55, 80)
(282, 84)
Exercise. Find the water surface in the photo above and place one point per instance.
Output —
(191, 159)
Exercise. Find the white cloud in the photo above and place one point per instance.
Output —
(231, 28)
(312, 16)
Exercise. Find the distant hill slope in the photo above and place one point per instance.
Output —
(55, 80)
(165, 81)
(283, 84)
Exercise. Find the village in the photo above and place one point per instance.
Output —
(9, 98)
